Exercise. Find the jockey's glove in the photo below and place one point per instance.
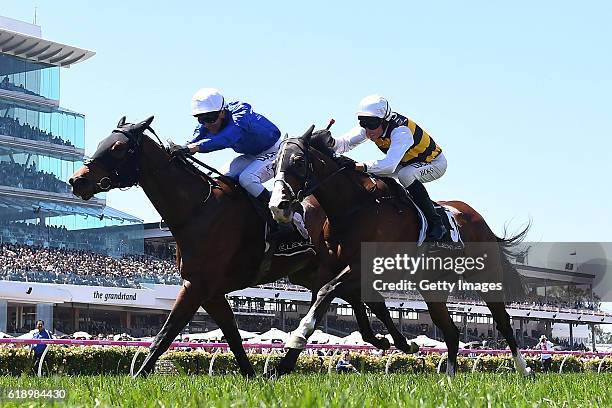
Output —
(346, 162)
(178, 150)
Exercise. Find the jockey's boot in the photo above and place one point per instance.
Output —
(436, 230)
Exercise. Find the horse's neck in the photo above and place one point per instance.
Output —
(340, 195)
(173, 191)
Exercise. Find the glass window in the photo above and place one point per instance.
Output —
(32, 78)
(58, 127)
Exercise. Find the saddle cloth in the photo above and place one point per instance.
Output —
(292, 242)
(452, 239)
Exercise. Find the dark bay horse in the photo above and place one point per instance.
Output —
(217, 231)
(363, 209)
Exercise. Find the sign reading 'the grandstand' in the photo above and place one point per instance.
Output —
(117, 296)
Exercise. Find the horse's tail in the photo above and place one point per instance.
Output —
(514, 286)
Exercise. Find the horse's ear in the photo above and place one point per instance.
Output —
(121, 121)
(306, 136)
(147, 122)
(142, 126)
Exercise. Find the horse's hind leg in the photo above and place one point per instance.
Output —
(380, 310)
(221, 312)
(502, 322)
(441, 317)
(185, 306)
(367, 334)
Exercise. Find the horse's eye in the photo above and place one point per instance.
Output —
(297, 159)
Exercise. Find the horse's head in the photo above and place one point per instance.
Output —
(115, 162)
(302, 164)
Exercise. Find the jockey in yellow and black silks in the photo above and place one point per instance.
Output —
(411, 155)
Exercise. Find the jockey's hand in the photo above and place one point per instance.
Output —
(178, 150)
(346, 162)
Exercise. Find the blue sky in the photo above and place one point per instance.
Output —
(516, 94)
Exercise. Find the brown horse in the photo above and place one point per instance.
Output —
(363, 209)
(216, 228)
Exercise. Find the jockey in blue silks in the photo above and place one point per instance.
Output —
(235, 125)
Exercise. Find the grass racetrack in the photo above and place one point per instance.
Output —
(313, 390)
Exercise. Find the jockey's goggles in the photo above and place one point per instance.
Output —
(369, 122)
(208, 117)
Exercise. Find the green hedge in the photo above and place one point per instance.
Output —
(117, 360)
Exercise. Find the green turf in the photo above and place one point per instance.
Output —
(371, 390)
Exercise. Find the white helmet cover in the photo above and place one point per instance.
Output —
(374, 105)
(206, 100)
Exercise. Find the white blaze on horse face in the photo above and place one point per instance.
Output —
(277, 197)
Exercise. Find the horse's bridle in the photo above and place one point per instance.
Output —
(308, 185)
(118, 178)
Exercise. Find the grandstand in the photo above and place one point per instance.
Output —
(85, 266)
(41, 144)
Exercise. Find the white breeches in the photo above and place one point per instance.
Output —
(424, 172)
(252, 171)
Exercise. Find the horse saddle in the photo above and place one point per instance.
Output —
(451, 240)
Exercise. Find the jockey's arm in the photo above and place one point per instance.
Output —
(204, 142)
(349, 140)
(401, 140)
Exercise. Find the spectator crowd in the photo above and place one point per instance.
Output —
(22, 176)
(12, 127)
(63, 266)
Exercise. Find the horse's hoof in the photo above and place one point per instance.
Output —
(382, 343)
(408, 348)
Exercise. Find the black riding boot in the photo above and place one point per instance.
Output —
(436, 229)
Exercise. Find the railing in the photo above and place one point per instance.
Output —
(217, 347)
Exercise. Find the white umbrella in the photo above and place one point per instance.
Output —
(80, 334)
(273, 335)
(424, 341)
(28, 335)
(319, 337)
(354, 339)
(217, 335)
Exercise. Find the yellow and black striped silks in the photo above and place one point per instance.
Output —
(424, 148)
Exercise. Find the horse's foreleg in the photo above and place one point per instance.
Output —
(502, 322)
(185, 306)
(441, 317)
(299, 337)
(221, 312)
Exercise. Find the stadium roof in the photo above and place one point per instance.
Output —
(40, 50)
